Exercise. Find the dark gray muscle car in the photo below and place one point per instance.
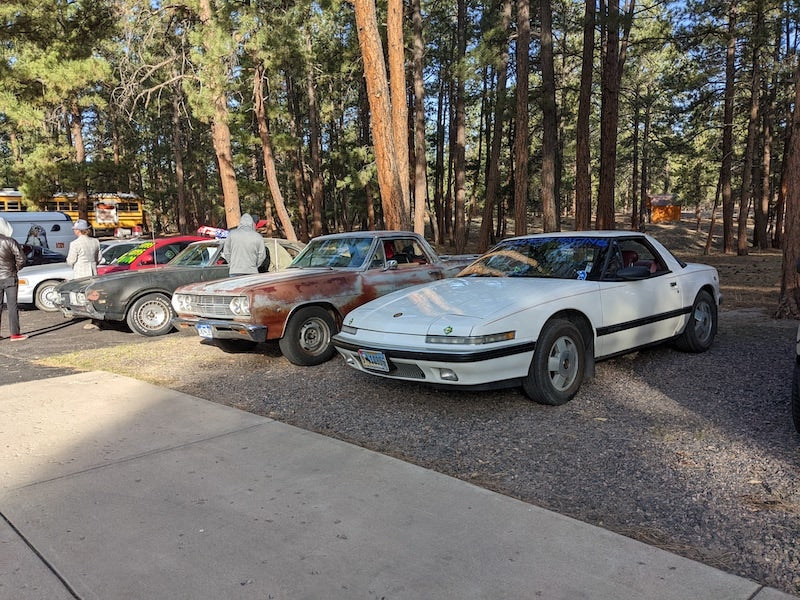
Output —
(141, 298)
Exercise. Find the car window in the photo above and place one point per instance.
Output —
(200, 255)
(556, 257)
(633, 252)
(166, 253)
(340, 252)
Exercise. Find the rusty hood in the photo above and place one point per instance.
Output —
(263, 282)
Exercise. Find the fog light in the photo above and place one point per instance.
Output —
(448, 375)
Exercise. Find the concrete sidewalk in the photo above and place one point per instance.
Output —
(111, 488)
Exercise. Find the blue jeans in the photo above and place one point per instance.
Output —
(9, 287)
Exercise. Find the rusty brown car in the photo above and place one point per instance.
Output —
(303, 307)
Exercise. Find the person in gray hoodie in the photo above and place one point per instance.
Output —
(12, 259)
(244, 248)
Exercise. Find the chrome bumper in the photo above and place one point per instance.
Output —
(223, 330)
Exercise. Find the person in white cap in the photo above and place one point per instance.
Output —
(84, 251)
(12, 259)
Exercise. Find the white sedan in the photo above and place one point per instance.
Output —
(537, 312)
(37, 284)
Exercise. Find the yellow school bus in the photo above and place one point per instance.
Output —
(107, 211)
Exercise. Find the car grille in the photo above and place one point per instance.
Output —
(211, 306)
(407, 370)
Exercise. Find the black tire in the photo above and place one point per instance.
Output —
(796, 397)
(151, 315)
(306, 340)
(702, 326)
(42, 298)
(558, 365)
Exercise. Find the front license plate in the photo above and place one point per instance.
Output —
(375, 361)
(204, 330)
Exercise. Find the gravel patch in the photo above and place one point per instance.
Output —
(692, 453)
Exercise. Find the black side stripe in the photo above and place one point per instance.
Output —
(601, 331)
(454, 357)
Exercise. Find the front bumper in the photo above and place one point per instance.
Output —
(467, 367)
(222, 330)
(71, 310)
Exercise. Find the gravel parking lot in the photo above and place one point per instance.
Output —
(692, 453)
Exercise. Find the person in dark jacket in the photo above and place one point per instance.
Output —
(244, 248)
(12, 259)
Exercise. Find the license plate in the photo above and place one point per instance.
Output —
(204, 330)
(375, 361)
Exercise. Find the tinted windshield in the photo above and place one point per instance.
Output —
(197, 255)
(556, 257)
(344, 252)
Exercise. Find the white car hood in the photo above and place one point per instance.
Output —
(456, 306)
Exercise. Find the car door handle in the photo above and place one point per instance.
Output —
(673, 284)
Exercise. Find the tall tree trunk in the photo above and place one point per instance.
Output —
(76, 133)
(746, 191)
(315, 147)
(644, 213)
(550, 208)
(635, 165)
(608, 124)
(727, 134)
(397, 82)
(789, 302)
(493, 170)
(177, 154)
(220, 131)
(269, 159)
(460, 235)
(420, 152)
(380, 115)
(298, 164)
(521, 149)
(583, 184)
(438, 193)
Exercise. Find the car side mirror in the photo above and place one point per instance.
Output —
(391, 265)
(147, 261)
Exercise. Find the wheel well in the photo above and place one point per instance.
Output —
(707, 288)
(584, 325)
(142, 294)
(327, 306)
(38, 285)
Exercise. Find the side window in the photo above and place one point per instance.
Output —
(632, 253)
(406, 251)
(166, 253)
(378, 259)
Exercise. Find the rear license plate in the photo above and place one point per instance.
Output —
(204, 330)
(375, 361)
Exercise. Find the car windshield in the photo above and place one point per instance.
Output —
(555, 257)
(340, 252)
(132, 255)
(196, 255)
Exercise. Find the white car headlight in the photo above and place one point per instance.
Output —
(471, 340)
(240, 306)
(181, 302)
(77, 298)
